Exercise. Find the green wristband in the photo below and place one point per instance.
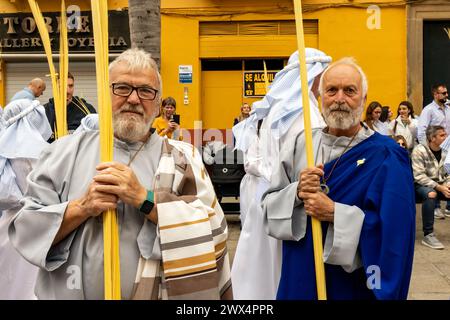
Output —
(150, 196)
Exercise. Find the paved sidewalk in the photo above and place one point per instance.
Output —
(431, 269)
(234, 224)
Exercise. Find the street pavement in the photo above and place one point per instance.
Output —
(431, 268)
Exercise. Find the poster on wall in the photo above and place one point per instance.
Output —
(185, 73)
(255, 83)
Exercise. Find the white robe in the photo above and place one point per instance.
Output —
(382, 128)
(17, 276)
(21, 142)
(257, 263)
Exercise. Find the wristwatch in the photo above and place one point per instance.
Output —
(148, 203)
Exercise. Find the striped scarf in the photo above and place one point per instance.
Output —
(192, 230)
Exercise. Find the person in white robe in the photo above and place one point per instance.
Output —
(2, 122)
(274, 120)
(211, 149)
(2, 126)
(22, 140)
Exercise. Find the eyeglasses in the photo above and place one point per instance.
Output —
(125, 90)
(444, 93)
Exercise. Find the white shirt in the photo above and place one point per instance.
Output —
(433, 115)
(408, 131)
(381, 127)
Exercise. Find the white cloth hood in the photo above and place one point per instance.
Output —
(26, 130)
(88, 123)
(284, 99)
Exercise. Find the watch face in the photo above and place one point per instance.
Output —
(146, 207)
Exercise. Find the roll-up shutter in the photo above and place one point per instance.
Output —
(270, 38)
(19, 74)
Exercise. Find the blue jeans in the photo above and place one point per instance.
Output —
(428, 206)
(447, 206)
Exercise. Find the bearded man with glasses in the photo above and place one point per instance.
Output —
(172, 231)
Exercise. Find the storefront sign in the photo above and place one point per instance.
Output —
(19, 32)
(254, 83)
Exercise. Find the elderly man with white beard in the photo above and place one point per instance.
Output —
(361, 190)
(172, 232)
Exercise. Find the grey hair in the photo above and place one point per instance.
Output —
(137, 59)
(349, 61)
(432, 131)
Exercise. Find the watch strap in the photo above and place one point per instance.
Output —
(148, 203)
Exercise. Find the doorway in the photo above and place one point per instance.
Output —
(223, 88)
(419, 14)
(436, 53)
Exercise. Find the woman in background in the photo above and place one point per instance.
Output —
(164, 124)
(372, 119)
(245, 112)
(401, 141)
(405, 124)
(386, 114)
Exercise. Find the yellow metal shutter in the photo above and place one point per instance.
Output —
(226, 39)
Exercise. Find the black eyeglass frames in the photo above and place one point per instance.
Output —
(125, 90)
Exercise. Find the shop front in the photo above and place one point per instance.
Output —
(23, 57)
